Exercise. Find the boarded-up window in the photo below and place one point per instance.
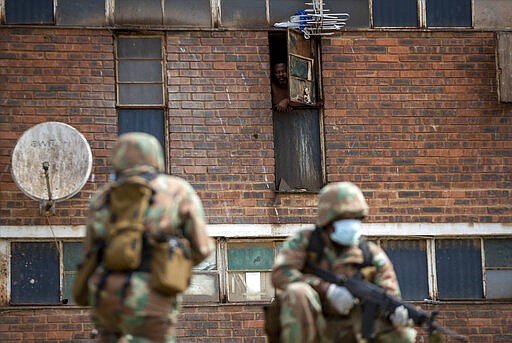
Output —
(297, 150)
(29, 12)
(409, 258)
(504, 70)
(35, 277)
(459, 269)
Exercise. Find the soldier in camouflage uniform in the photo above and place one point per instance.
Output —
(315, 311)
(130, 311)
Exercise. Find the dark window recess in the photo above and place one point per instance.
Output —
(395, 13)
(459, 269)
(35, 275)
(72, 253)
(139, 71)
(244, 14)
(147, 12)
(140, 94)
(453, 13)
(181, 13)
(297, 133)
(359, 11)
(297, 150)
(498, 252)
(498, 264)
(139, 47)
(29, 12)
(81, 12)
(282, 10)
(144, 120)
(409, 258)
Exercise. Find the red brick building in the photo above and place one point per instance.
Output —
(414, 106)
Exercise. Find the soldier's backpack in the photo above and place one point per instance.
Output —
(169, 264)
(128, 248)
(127, 202)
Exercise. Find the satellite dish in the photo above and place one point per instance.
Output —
(51, 162)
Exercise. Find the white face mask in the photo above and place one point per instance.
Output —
(347, 231)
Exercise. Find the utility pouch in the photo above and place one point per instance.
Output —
(171, 266)
(85, 269)
(272, 320)
(128, 202)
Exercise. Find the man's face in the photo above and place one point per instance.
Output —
(281, 73)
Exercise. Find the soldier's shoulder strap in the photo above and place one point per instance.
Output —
(367, 254)
(315, 249)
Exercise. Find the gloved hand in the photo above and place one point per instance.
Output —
(400, 317)
(340, 298)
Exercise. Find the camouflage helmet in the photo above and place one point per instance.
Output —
(340, 200)
(137, 152)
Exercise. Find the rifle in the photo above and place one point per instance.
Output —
(373, 297)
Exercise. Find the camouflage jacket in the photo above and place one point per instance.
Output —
(291, 260)
(175, 204)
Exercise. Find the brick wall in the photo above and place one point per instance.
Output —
(480, 322)
(412, 117)
(55, 75)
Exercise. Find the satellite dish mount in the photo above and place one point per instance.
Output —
(51, 162)
(47, 207)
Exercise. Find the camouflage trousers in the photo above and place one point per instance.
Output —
(303, 321)
(132, 312)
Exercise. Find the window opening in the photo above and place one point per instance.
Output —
(140, 85)
(239, 270)
(498, 268)
(204, 285)
(421, 13)
(29, 12)
(35, 276)
(409, 258)
(249, 271)
(296, 112)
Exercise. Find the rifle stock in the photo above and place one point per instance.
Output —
(372, 296)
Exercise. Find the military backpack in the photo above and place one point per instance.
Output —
(128, 248)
